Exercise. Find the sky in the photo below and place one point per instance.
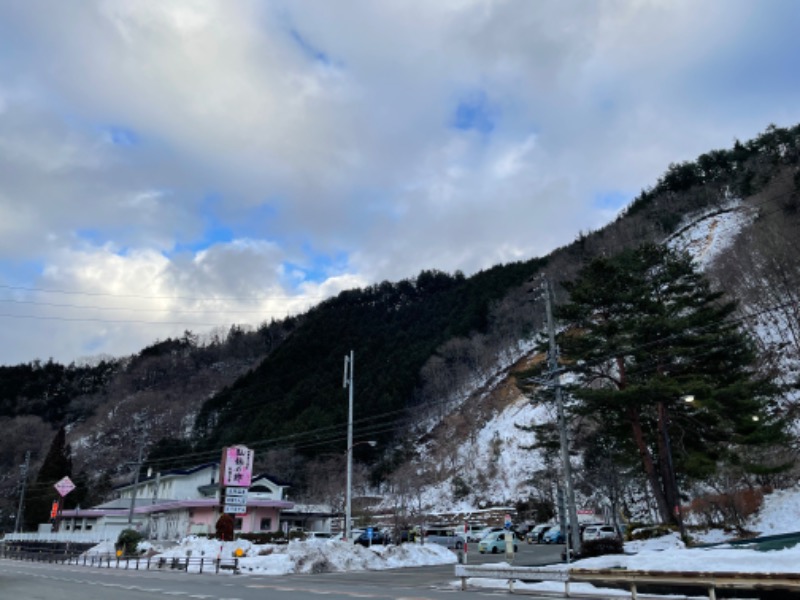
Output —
(189, 164)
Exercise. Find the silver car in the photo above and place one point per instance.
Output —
(596, 532)
(444, 537)
(496, 542)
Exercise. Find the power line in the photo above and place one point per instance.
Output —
(143, 296)
(111, 321)
(129, 309)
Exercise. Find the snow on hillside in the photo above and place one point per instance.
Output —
(780, 513)
(705, 237)
(497, 456)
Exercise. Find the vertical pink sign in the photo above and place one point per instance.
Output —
(237, 470)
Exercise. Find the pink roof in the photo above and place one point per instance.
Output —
(172, 505)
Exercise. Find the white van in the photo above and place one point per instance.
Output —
(444, 537)
(596, 532)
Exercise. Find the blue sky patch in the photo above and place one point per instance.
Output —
(214, 233)
(309, 49)
(317, 267)
(474, 113)
(251, 223)
(255, 221)
(99, 239)
(122, 136)
(613, 200)
(20, 272)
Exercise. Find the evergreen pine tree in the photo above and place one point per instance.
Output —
(645, 333)
(57, 465)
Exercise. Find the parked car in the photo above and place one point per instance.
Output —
(495, 542)
(596, 532)
(445, 537)
(364, 539)
(553, 535)
(318, 535)
(482, 533)
(534, 536)
(339, 537)
(476, 532)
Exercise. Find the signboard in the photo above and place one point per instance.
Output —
(235, 500)
(236, 491)
(237, 466)
(235, 509)
(64, 486)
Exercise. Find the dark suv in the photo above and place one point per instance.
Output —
(377, 538)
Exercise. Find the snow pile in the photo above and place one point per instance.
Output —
(780, 513)
(662, 554)
(311, 556)
(671, 541)
(703, 560)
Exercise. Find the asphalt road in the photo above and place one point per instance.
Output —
(21, 580)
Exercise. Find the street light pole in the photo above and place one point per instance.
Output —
(672, 477)
(348, 383)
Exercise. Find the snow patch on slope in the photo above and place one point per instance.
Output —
(707, 236)
(498, 455)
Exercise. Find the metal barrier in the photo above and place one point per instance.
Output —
(789, 582)
(187, 564)
(513, 574)
(710, 581)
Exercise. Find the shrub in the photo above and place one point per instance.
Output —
(728, 509)
(128, 540)
(601, 546)
(648, 533)
(271, 537)
(224, 528)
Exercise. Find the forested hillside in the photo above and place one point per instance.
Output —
(393, 328)
(421, 345)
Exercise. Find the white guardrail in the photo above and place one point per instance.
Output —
(789, 582)
(61, 537)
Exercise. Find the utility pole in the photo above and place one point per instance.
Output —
(348, 383)
(136, 482)
(158, 486)
(575, 533)
(24, 468)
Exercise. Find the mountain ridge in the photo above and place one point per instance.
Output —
(419, 343)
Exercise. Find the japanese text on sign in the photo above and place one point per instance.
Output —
(238, 466)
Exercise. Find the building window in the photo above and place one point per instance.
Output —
(88, 527)
(237, 523)
(266, 524)
(191, 513)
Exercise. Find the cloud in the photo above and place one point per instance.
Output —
(202, 148)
